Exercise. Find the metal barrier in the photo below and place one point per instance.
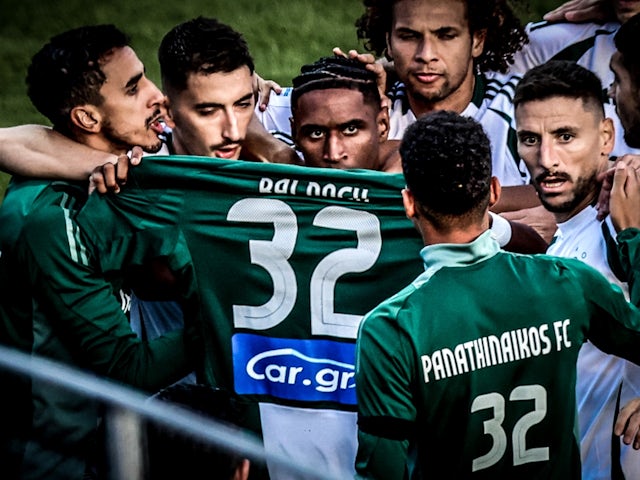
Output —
(129, 407)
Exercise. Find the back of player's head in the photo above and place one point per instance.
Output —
(201, 46)
(560, 78)
(336, 72)
(66, 72)
(627, 40)
(446, 161)
(175, 455)
(504, 33)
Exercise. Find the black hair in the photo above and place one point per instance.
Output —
(560, 78)
(446, 161)
(336, 72)
(626, 41)
(66, 72)
(505, 34)
(201, 45)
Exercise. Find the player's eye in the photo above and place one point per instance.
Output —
(316, 134)
(350, 130)
(528, 140)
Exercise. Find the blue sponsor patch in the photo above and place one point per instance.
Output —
(305, 370)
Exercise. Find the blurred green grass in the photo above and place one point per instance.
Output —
(282, 35)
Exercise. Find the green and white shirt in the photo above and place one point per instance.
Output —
(588, 44)
(492, 107)
(278, 265)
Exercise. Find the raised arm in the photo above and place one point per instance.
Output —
(625, 216)
(259, 145)
(521, 204)
(39, 151)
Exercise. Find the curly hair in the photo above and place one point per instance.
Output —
(201, 45)
(505, 33)
(66, 72)
(446, 161)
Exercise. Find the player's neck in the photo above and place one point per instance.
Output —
(562, 217)
(432, 235)
(176, 143)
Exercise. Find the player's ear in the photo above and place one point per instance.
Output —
(607, 134)
(86, 118)
(383, 124)
(495, 190)
(294, 132)
(477, 44)
(388, 52)
(409, 202)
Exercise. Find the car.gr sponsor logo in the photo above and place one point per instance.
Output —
(303, 370)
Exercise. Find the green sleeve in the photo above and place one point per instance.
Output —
(381, 458)
(629, 253)
(80, 305)
(384, 387)
(614, 325)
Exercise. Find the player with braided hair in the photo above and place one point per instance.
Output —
(337, 120)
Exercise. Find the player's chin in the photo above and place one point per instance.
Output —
(153, 148)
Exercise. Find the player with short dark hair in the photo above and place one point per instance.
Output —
(207, 74)
(470, 370)
(566, 140)
(53, 301)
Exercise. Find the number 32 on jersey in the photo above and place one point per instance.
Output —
(273, 255)
(494, 426)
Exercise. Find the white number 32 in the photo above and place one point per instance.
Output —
(493, 426)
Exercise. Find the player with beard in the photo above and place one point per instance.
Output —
(469, 371)
(586, 37)
(446, 55)
(92, 87)
(565, 140)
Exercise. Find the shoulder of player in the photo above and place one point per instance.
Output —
(499, 87)
(572, 269)
(53, 212)
(387, 312)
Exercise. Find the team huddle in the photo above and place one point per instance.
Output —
(260, 265)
